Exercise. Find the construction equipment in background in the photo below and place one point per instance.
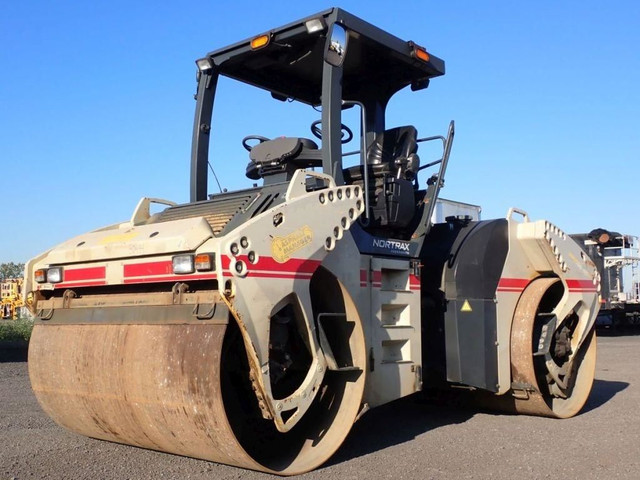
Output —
(254, 327)
(617, 259)
(11, 301)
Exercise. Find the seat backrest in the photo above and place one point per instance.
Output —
(392, 163)
(393, 144)
(281, 157)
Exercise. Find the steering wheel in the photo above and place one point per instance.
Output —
(344, 130)
(248, 147)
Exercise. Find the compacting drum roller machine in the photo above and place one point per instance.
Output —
(254, 327)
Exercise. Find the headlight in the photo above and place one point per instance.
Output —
(204, 64)
(183, 264)
(315, 25)
(54, 275)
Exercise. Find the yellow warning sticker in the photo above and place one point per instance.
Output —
(283, 247)
(119, 238)
(466, 307)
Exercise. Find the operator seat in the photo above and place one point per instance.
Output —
(392, 166)
(396, 148)
(275, 160)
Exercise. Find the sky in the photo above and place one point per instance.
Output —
(96, 106)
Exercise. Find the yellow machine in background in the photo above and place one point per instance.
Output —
(11, 299)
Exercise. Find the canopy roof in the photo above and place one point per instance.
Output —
(376, 63)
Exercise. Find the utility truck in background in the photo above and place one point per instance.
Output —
(617, 259)
(254, 327)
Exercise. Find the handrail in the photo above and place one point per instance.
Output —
(363, 160)
(519, 211)
(431, 201)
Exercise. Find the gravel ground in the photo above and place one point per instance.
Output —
(405, 439)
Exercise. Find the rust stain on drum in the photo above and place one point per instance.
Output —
(522, 367)
(153, 386)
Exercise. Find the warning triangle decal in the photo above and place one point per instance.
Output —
(466, 307)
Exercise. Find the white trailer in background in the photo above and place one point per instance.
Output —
(451, 208)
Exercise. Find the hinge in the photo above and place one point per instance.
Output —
(178, 290)
(416, 267)
(66, 298)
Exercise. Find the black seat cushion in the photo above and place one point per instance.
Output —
(275, 150)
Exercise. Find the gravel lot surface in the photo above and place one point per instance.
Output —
(405, 440)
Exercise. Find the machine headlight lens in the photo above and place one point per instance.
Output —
(204, 262)
(40, 276)
(183, 264)
(204, 64)
(54, 275)
(315, 25)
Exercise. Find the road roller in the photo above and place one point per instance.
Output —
(253, 327)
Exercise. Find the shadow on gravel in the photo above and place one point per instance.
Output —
(13, 351)
(395, 423)
(602, 392)
(403, 420)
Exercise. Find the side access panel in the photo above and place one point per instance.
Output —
(470, 279)
(395, 351)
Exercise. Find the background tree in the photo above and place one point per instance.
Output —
(11, 270)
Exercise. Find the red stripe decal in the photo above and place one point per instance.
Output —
(519, 284)
(149, 268)
(268, 264)
(581, 285)
(512, 284)
(267, 267)
(171, 278)
(94, 283)
(76, 274)
(301, 276)
(414, 282)
(376, 278)
(297, 265)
